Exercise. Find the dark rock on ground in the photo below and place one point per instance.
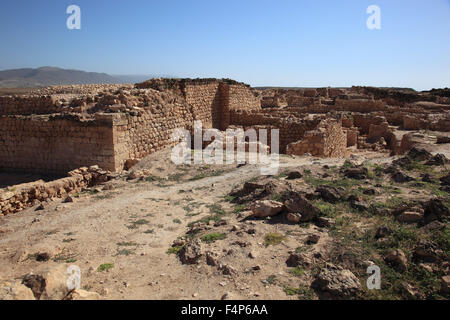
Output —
(445, 181)
(297, 203)
(359, 173)
(324, 222)
(298, 259)
(397, 259)
(401, 177)
(191, 253)
(437, 160)
(427, 251)
(435, 209)
(294, 175)
(329, 193)
(383, 232)
(419, 154)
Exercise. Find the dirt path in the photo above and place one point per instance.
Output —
(132, 226)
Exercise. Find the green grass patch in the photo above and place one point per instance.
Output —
(273, 238)
(174, 250)
(127, 244)
(125, 252)
(297, 271)
(291, 291)
(327, 209)
(213, 237)
(138, 223)
(239, 208)
(105, 267)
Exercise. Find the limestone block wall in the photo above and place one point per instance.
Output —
(328, 140)
(209, 101)
(376, 131)
(352, 136)
(14, 105)
(296, 101)
(55, 144)
(138, 136)
(206, 100)
(413, 123)
(441, 125)
(360, 105)
(363, 121)
(290, 127)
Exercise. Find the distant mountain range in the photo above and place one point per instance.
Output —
(46, 76)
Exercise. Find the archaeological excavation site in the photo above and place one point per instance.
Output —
(87, 183)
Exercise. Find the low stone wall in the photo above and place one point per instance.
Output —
(22, 196)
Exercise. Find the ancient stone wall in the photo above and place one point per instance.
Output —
(13, 200)
(363, 121)
(328, 140)
(360, 105)
(14, 105)
(290, 127)
(206, 101)
(138, 123)
(55, 144)
(138, 136)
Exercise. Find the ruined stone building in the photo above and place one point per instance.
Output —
(84, 132)
(59, 129)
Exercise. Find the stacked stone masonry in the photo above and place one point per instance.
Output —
(59, 129)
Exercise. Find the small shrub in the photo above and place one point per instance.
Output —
(239, 208)
(212, 237)
(291, 291)
(174, 250)
(105, 267)
(297, 271)
(273, 239)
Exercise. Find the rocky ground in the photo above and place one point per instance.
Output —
(161, 231)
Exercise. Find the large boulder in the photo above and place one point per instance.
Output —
(427, 251)
(294, 175)
(266, 208)
(410, 217)
(15, 290)
(445, 284)
(435, 209)
(445, 180)
(260, 190)
(329, 193)
(397, 259)
(298, 259)
(297, 203)
(338, 282)
(437, 160)
(419, 154)
(49, 284)
(359, 173)
(401, 177)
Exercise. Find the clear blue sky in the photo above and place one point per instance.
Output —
(261, 42)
